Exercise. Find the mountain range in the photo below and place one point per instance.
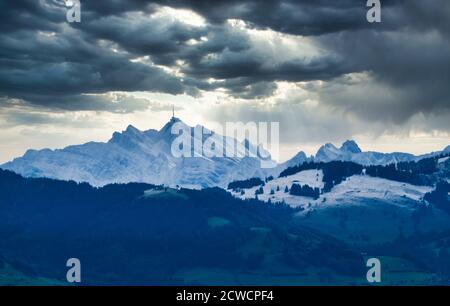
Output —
(138, 156)
(350, 151)
(145, 156)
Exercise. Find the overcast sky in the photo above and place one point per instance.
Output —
(316, 66)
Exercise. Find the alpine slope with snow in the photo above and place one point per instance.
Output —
(141, 156)
(350, 191)
(361, 209)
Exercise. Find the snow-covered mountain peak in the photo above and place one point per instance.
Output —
(350, 146)
(133, 155)
(132, 129)
(329, 145)
(170, 123)
(166, 131)
(327, 152)
(350, 151)
(296, 160)
(130, 137)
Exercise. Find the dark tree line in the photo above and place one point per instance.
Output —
(391, 172)
(305, 191)
(439, 196)
(422, 172)
(337, 171)
(246, 184)
(302, 167)
(334, 172)
(423, 166)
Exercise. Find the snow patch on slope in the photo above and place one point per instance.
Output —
(352, 190)
(360, 186)
(312, 178)
(443, 159)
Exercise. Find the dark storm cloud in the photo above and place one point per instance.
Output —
(121, 45)
(253, 91)
(409, 74)
(251, 68)
(307, 17)
(407, 55)
(29, 15)
(299, 17)
(59, 76)
(58, 69)
(234, 61)
(162, 39)
(77, 59)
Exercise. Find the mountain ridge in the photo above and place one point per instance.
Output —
(350, 151)
(137, 156)
(133, 155)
